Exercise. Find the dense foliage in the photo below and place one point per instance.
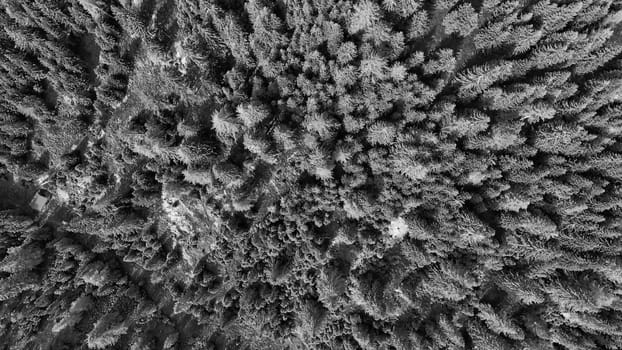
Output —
(311, 174)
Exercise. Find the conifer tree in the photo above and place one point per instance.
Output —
(462, 20)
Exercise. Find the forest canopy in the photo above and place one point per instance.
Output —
(311, 174)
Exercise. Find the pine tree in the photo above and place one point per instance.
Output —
(484, 339)
(553, 16)
(381, 133)
(321, 124)
(227, 128)
(441, 62)
(364, 15)
(442, 5)
(419, 24)
(373, 68)
(403, 8)
(476, 79)
(251, 115)
(537, 112)
(462, 20)
(561, 138)
(106, 332)
(467, 124)
(499, 323)
(22, 259)
(522, 289)
(74, 314)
